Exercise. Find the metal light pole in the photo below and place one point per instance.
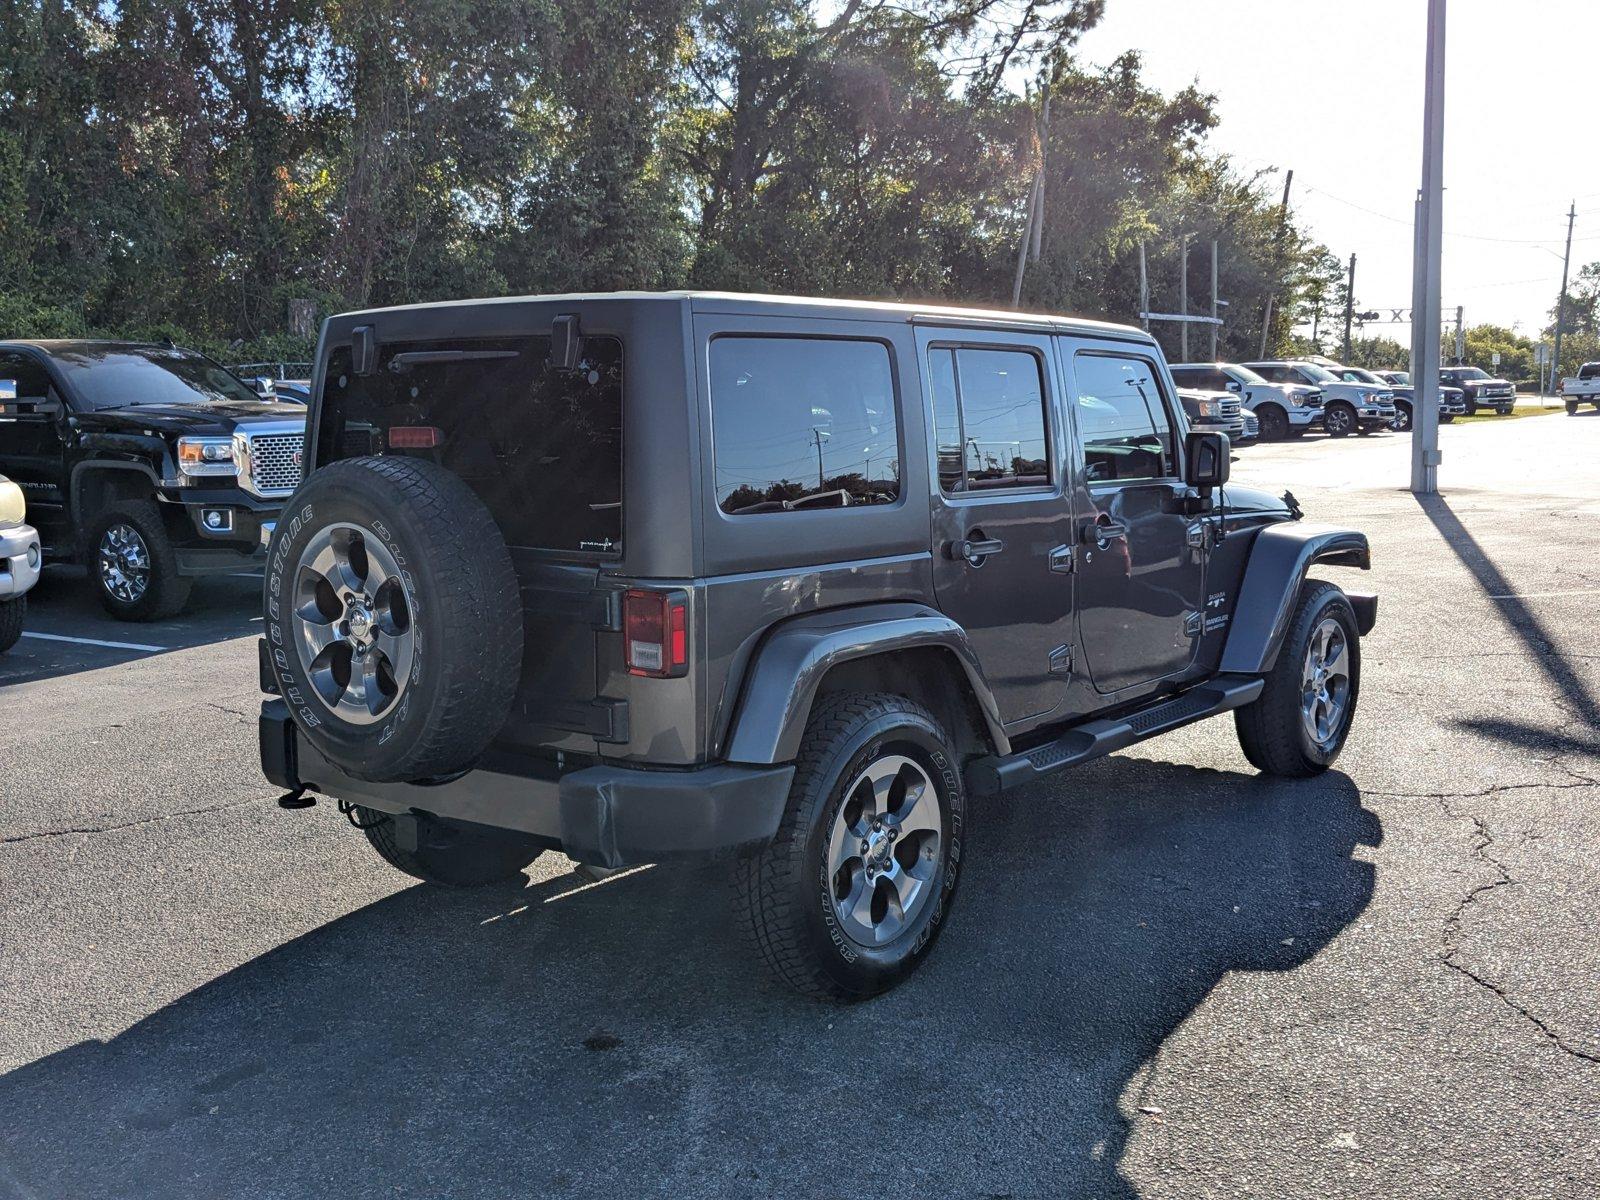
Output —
(1426, 269)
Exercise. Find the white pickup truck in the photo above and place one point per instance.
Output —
(1582, 388)
(19, 563)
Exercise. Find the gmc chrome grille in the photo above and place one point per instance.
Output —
(275, 462)
(1230, 408)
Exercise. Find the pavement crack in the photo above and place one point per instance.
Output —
(90, 830)
(1483, 844)
(1576, 781)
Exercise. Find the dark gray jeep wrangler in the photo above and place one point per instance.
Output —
(641, 577)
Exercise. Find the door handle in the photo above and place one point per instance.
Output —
(1104, 530)
(974, 550)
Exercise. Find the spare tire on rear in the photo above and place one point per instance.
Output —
(393, 619)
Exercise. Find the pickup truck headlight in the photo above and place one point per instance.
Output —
(1210, 409)
(206, 456)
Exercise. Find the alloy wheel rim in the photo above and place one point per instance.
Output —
(1325, 683)
(124, 562)
(352, 622)
(884, 850)
(1341, 420)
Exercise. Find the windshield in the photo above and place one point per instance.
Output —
(1468, 373)
(119, 376)
(1320, 374)
(1245, 375)
(1358, 375)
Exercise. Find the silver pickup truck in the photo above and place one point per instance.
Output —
(19, 562)
(1582, 388)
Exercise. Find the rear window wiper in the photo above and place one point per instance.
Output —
(423, 358)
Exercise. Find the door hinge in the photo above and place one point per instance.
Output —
(1061, 560)
(1200, 534)
(1061, 660)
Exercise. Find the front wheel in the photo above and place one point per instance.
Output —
(1402, 419)
(11, 614)
(851, 894)
(133, 568)
(1274, 423)
(1298, 725)
(1340, 420)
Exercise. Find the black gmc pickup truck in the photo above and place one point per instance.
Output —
(149, 464)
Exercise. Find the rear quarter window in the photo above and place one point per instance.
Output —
(541, 446)
(802, 423)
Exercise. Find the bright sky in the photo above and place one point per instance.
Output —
(1334, 89)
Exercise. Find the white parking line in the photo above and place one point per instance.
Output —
(1541, 595)
(57, 637)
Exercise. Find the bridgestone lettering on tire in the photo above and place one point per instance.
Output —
(450, 582)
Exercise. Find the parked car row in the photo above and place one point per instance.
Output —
(149, 464)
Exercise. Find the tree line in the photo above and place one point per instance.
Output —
(189, 168)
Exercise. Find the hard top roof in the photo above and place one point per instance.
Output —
(730, 302)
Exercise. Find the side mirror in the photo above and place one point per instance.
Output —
(1205, 460)
(1233, 385)
(264, 387)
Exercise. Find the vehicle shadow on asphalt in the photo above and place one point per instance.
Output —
(61, 604)
(563, 1040)
(1541, 642)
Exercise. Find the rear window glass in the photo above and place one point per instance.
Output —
(803, 423)
(541, 446)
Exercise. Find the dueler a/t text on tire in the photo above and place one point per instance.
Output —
(393, 619)
(851, 894)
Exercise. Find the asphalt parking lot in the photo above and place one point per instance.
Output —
(1165, 976)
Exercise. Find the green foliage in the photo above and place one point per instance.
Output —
(189, 168)
(1516, 352)
(1378, 354)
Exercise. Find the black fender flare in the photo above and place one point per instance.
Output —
(1279, 560)
(80, 469)
(782, 680)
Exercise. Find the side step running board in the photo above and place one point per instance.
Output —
(1095, 739)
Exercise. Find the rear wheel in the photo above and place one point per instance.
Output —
(11, 614)
(453, 853)
(1572, 408)
(1298, 725)
(1274, 423)
(133, 568)
(1340, 419)
(851, 894)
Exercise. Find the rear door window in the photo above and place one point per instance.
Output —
(802, 423)
(988, 413)
(541, 446)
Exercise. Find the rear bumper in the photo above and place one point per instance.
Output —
(20, 557)
(605, 815)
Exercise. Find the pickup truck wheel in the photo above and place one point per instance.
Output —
(1572, 408)
(11, 614)
(1402, 419)
(452, 853)
(1339, 419)
(1274, 423)
(850, 895)
(1472, 407)
(393, 619)
(133, 568)
(1298, 725)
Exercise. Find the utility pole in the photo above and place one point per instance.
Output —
(1461, 335)
(1426, 268)
(1283, 225)
(1349, 307)
(1561, 303)
(1144, 287)
(1183, 294)
(1216, 306)
(1033, 233)
(817, 439)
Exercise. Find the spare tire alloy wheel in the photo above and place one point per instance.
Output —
(393, 619)
(352, 623)
(124, 563)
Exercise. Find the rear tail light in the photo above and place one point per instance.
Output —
(655, 627)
